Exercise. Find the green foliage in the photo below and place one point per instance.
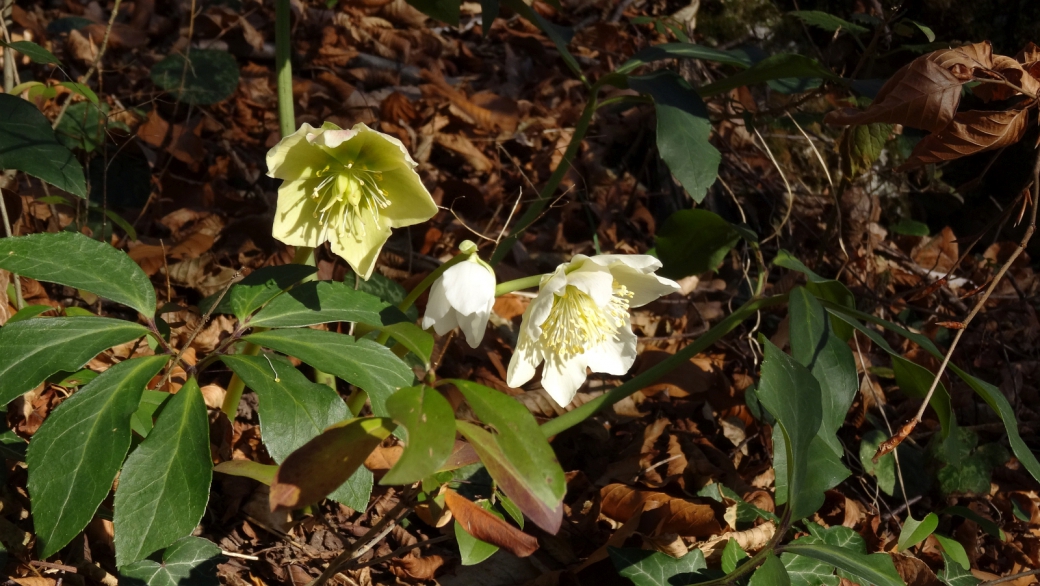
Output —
(190, 560)
(682, 131)
(33, 51)
(914, 531)
(472, 550)
(34, 349)
(164, 486)
(28, 144)
(691, 242)
(827, 22)
(651, 568)
(446, 11)
(77, 452)
(74, 260)
(731, 556)
(875, 568)
(85, 126)
(967, 466)
(210, 77)
(774, 67)
(860, 147)
(319, 302)
(771, 573)
(429, 429)
(362, 363)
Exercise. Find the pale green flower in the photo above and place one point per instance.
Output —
(346, 187)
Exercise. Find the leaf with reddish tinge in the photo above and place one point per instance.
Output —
(487, 527)
(970, 132)
(921, 95)
(515, 485)
(327, 461)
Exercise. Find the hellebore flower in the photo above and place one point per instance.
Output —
(462, 297)
(580, 319)
(347, 187)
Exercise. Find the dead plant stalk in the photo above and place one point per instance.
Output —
(893, 442)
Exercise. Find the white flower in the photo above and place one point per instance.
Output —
(580, 319)
(462, 297)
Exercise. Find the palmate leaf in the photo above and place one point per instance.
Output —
(77, 452)
(34, 349)
(74, 260)
(651, 568)
(191, 560)
(164, 485)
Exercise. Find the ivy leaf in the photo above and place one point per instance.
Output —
(651, 568)
(191, 560)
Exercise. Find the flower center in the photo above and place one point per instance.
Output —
(343, 196)
(576, 324)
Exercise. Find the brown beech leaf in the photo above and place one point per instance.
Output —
(921, 95)
(321, 465)
(416, 569)
(963, 61)
(914, 571)
(487, 527)
(970, 132)
(663, 513)
(1010, 70)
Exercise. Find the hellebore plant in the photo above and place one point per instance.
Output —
(580, 319)
(347, 188)
(462, 297)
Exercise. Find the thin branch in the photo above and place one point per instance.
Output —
(95, 66)
(1010, 578)
(891, 444)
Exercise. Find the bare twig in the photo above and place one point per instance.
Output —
(1012, 577)
(401, 551)
(908, 428)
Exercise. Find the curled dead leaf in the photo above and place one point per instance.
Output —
(970, 132)
(487, 527)
(663, 513)
(416, 569)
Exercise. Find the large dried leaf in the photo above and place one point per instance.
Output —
(921, 95)
(487, 527)
(970, 132)
(1007, 69)
(963, 61)
(680, 516)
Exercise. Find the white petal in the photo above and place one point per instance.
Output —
(439, 312)
(524, 362)
(614, 356)
(597, 283)
(468, 286)
(539, 308)
(643, 263)
(644, 287)
(474, 325)
(562, 378)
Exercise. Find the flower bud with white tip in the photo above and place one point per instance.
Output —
(462, 297)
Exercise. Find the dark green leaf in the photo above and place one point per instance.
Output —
(164, 485)
(559, 35)
(472, 550)
(860, 147)
(731, 555)
(779, 66)
(985, 524)
(838, 536)
(683, 130)
(82, 90)
(28, 144)
(191, 560)
(259, 287)
(29, 312)
(790, 392)
(805, 571)
(488, 14)
(522, 443)
(915, 531)
(884, 470)
(446, 11)
(84, 126)
(12, 447)
(141, 420)
(827, 22)
(363, 363)
(34, 349)
(827, 470)
(33, 51)
(651, 568)
(211, 77)
(830, 360)
(908, 227)
(429, 424)
(77, 452)
(684, 51)
(319, 302)
(953, 550)
(293, 411)
(413, 338)
(691, 242)
(72, 259)
(877, 569)
(914, 380)
(771, 573)
(953, 574)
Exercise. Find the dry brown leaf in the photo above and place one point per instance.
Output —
(963, 61)
(1011, 71)
(183, 143)
(416, 569)
(913, 571)
(81, 47)
(922, 95)
(469, 151)
(383, 458)
(35, 581)
(397, 107)
(122, 36)
(938, 253)
(486, 527)
(751, 540)
(668, 515)
(970, 132)
(692, 377)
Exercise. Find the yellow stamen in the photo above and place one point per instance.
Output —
(344, 194)
(576, 324)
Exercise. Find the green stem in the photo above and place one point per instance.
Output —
(545, 195)
(237, 386)
(283, 65)
(517, 285)
(572, 418)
